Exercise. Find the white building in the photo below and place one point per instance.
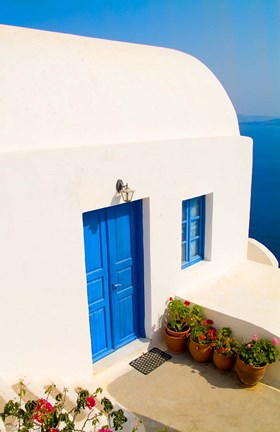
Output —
(77, 114)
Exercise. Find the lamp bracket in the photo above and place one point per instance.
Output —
(119, 185)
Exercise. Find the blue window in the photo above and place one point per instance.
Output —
(193, 228)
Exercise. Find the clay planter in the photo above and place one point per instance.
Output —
(223, 362)
(176, 341)
(202, 353)
(249, 375)
(178, 334)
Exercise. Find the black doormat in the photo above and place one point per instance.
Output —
(149, 361)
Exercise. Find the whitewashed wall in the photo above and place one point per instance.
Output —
(44, 317)
(77, 114)
(64, 90)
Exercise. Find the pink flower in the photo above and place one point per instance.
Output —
(248, 346)
(275, 341)
(170, 298)
(105, 430)
(90, 402)
(187, 303)
(255, 338)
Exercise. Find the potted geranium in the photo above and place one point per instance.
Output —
(253, 358)
(225, 349)
(201, 340)
(180, 317)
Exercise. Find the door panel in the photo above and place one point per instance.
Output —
(123, 272)
(111, 249)
(97, 282)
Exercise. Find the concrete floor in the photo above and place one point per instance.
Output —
(185, 396)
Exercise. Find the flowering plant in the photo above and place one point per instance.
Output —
(180, 315)
(224, 343)
(43, 415)
(204, 332)
(259, 352)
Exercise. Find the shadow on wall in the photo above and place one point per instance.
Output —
(242, 330)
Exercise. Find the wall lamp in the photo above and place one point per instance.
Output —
(124, 190)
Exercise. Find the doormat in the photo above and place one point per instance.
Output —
(149, 361)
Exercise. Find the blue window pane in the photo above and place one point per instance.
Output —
(194, 228)
(193, 220)
(194, 249)
(184, 232)
(184, 258)
(184, 211)
(195, 207)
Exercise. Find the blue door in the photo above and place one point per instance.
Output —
(114, 268)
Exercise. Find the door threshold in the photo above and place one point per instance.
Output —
(122, 355)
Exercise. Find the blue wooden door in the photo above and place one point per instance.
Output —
(114, 267)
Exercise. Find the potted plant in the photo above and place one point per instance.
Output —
(180, 318)
(201, 340)
(253, 358)
(225, 349)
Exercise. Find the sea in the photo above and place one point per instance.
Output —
(265, 197)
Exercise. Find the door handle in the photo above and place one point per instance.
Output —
(116, 286)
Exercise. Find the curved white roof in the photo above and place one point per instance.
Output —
(59, 90)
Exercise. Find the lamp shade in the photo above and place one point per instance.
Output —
(127, 193)
(124, 190)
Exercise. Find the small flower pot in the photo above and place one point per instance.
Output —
(176, 342)
(202, 353)
(249, 375)
(178, 334)
(223, 362)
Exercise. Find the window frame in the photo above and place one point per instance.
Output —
(187, 238)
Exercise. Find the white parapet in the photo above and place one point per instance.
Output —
(259, 253)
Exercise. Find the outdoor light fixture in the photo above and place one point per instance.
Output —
(124, 190)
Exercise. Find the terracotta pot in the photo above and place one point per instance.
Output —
(177, 343)
(178, 334)
(223, 362)
(202, 353)
(249, 375)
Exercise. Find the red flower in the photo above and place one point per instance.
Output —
(201, 337)
(53, 430)
(90, 402)
(211, 331)
(187, 303)
(170, 298)
(204, 322)
(42, 409)
(210, 322)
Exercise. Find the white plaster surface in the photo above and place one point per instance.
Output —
(259, 253)
(61, 90)
(249, 292)
(76, 115)
(43, 196)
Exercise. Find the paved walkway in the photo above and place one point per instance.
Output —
(185, 396)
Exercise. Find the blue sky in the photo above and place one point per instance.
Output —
(239, 40)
